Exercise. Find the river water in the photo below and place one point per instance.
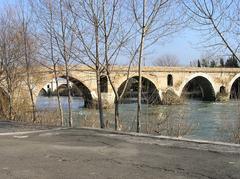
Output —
(194, 119)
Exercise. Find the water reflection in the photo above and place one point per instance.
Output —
(209, 121)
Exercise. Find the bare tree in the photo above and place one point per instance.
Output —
(167, 60)
(219, 23)
(112, 25)
(87, 17)
(61, 31)
(44, 11)
(154, 20)
(28, 52)
(10, 55)
(64, 39)
(113, 31)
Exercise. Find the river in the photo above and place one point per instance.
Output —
(194, 119)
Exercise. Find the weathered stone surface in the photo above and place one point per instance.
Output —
(222, 97)
(85, 79)
(170, 97)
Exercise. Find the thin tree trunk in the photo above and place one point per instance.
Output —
(8, 71)
(10, 100)
(54, 65)
(100, 107)
(116, 114)
(66, 59)
(29, 85)
(33, 105)
(58, 98)
(139, 100)
(70, 122)
(10, 107)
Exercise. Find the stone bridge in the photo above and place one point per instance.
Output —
(212, 83)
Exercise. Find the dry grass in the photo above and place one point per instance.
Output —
(230, 131)
(170, 123)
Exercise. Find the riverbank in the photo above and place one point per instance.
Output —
(88, 153)
(7, 126)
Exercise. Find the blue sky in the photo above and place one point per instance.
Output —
(183, 44)
(3, 2)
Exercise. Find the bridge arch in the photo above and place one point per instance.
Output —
(86, 92)
(43, 92)
(233, 84)
(150, 92)
(205, 84)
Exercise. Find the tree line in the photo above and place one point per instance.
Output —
(230, 62)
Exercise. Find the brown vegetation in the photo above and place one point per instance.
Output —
(170, 123)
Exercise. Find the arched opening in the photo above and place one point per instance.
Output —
(235, 89)
(104, 84)
(222, 90)
(199, 88)
(150, 94)
(43, 92)
(63, 90)
(170, 80)
(78, 90)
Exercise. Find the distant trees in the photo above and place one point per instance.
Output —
(167, 60)
(198, 63)
(230, 62)
(204, 62)
(213, 63)
(222, 63)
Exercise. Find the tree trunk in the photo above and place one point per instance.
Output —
(10, 100)
(70, 120)
(33, 105)
(100, 107)
(10, 107)
(66, 59)
(58, 98)
(97, 65)
(54, 65)
(116, 114)
(139, 100)
(28, 63)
